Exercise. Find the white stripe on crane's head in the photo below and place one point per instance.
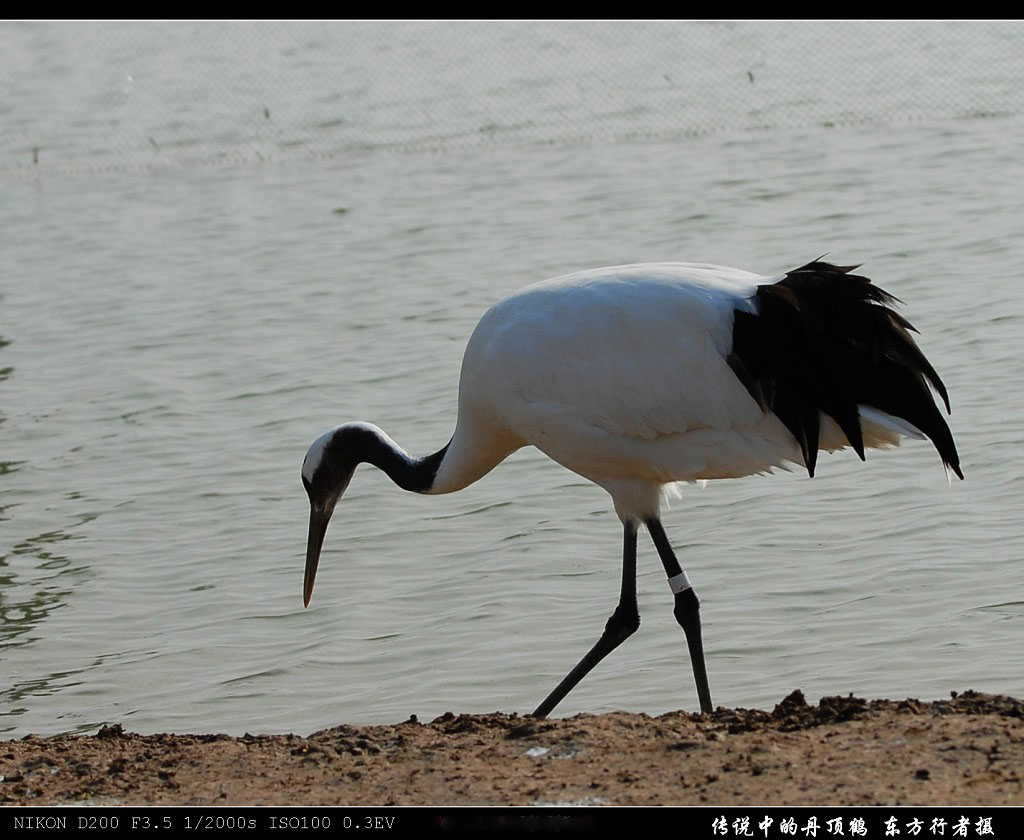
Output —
(315, 454)
(317, 449)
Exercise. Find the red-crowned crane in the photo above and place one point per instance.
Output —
(639, 376)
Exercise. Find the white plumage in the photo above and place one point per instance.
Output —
(639, 376)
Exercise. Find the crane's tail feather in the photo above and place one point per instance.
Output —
(902, 427)
(823, 339)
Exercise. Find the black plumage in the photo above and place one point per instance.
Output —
(823, 339)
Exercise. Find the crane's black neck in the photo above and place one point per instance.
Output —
(414, 474)
(359, 443)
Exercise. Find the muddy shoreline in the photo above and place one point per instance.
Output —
(967, 750)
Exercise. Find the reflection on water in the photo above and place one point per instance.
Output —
(36, 579)
(6, 467)
(52, 576)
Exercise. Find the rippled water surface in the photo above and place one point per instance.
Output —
(201, 272)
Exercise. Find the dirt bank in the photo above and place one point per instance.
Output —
(845, 750)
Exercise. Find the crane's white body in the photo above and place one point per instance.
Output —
(620, 375)
(640, 376)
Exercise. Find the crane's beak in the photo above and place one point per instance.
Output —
(318, 520)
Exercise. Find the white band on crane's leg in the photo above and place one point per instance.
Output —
(679, 583)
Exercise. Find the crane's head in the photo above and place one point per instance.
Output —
(326, 471)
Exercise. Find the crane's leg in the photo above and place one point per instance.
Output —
(687, 610)
(623, 624)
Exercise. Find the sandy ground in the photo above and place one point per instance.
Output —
(968, 750)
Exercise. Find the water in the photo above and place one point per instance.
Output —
(181, 319)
